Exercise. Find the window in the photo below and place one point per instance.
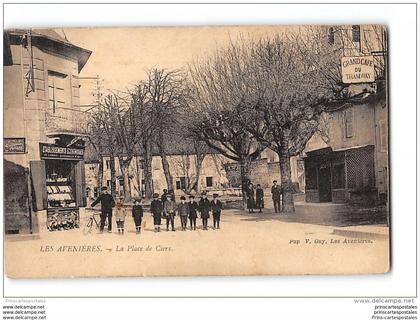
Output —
(180, 183)
(331, 35)
(355, 32)
(348, 123)
(311, 178)
(56, 90)
(108, 164)
(209, 182)
(108, 183)
(121, 182)
(338, 179)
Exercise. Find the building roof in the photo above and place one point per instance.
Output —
(48, 38)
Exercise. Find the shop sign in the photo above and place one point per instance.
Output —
(14, 145)
(358, 69)
(51, 151)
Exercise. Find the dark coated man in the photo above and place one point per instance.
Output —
(204, 208)
(192, 215)
(216, 208)
(259, 197)
(107, 203)
(275, 195)
(156, 208)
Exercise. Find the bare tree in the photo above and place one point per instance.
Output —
(103, 139)
(166, 97)
(216, 90)
(124, 122)
(145, 129)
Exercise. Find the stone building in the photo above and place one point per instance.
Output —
(43, 130)
(350, 162)
(353, 165)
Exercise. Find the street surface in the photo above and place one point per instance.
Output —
(246, 244)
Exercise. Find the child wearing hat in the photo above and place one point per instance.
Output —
(156, 208)
(183, 210)
(192, 212)
(216, 208)
(120, 215)
(169, 209)
(204, 208)
(137, 213)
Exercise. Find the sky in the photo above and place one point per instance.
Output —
(121, 56)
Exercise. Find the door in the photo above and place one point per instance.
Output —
(39, 185)
(80, 183)
(325, 183)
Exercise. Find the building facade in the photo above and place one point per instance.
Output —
(349, 162)
(351, 165)
(43, 130)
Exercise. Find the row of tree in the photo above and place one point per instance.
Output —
(144, 121)
(252, 94)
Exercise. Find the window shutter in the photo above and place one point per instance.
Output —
(349, 123)
(39, 184)
(79, 173)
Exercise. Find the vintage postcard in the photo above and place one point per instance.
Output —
(196, 151)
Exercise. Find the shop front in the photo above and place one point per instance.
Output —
(341, 176)
(58, 182)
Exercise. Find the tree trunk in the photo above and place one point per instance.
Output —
(165, 166)
(124, 166)
(148, 183)
(286, 177)
(138, 176)
(100, 176)
(198, 164)
(113, 175)
(244, 167)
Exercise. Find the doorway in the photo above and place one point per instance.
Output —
(325, 184)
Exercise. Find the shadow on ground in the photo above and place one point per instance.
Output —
(327, 214)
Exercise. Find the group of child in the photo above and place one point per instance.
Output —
(165, 208)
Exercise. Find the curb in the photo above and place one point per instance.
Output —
(360, 234)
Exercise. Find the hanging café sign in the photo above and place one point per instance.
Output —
(51, 151)
(357, 69)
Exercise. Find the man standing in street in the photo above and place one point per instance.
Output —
(275, 195)
(107, 203)
(204, 207)
(216, 208)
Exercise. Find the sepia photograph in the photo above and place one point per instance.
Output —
(196, 151)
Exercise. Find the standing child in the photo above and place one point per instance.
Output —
(192, 209)
(183, 210)
(120, 214)
(216, 208)
(156, 208)
(137, 213)
(169, 209)
(204, 208)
